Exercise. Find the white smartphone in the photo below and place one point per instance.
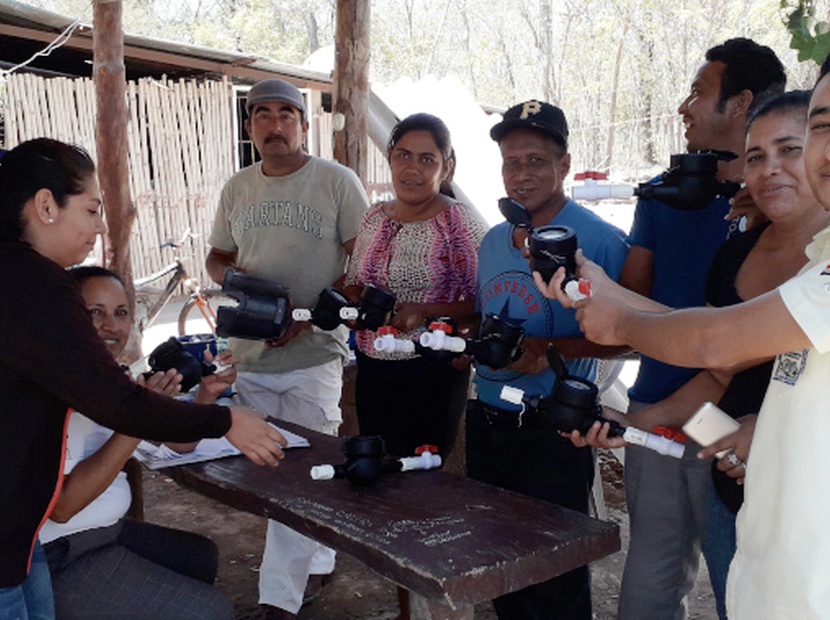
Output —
(708, 424)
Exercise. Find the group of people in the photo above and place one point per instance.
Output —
(766, 339)
(306, 223)
(295, 219)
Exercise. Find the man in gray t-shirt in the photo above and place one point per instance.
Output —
(291, 218)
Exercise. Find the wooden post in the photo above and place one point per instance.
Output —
(351, 85)
(109, 76)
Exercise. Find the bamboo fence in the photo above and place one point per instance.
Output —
(182, 143)
(181, 152)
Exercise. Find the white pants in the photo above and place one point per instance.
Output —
(309, 397)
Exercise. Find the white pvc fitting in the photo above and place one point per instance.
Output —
(658, 443)
(572, 290)
(349, 313)
(389, 344)
(426, 460)
(594, 191)
(439, 341)
(322, 472)
(301, 314)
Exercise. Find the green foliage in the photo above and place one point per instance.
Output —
(809, 36)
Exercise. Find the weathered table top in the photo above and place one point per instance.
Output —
(444, 537)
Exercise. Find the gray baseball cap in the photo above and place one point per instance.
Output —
(275, 90)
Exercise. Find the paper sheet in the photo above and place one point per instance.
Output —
(159, 456)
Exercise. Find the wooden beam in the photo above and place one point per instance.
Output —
(109, 77)
(238, 68)
(351, 85)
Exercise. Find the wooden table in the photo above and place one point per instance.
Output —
(451, 541)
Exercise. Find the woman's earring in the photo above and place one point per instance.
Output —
(51, 220)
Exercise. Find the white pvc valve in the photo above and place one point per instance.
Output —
(426, 460)
(578, 290)
(658, 443)
(349, 313)
(512, 395)
(322, 472)
(301, 314)
(594, 191)
(439, 341)
(389, 344)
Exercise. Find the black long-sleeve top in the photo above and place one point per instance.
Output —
(51, 359)
(746, 390)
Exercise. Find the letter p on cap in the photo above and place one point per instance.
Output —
(530, 107)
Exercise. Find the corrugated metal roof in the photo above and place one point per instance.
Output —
(26, 30)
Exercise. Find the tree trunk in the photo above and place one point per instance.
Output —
(546, 44)
(612, 114)
(109, 76)
(650, 154)
(313, 32)
(351, 84)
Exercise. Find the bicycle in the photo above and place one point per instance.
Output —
(154, 299)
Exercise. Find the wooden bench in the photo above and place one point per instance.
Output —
(451, 541)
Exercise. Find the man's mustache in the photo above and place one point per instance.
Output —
(276, 139)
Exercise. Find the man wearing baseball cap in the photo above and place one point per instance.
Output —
(506, 446)
(290, 218)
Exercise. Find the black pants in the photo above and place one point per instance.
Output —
(410, 402)
(537, 462)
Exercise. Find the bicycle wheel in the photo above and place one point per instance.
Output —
(198, 314)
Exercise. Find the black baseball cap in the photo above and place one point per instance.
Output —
(536, 115)
(275, 90)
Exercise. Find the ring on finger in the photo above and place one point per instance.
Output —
(733, 460)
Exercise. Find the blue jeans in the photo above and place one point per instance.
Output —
(32, 599)
(719, 546)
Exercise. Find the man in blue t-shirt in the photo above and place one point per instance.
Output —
(671, 252)
(525, 453)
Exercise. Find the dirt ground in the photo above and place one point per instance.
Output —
(355, 592)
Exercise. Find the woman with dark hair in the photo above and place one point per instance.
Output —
(51, 361)
(746, 267)
(100, 561)
(422, 245)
